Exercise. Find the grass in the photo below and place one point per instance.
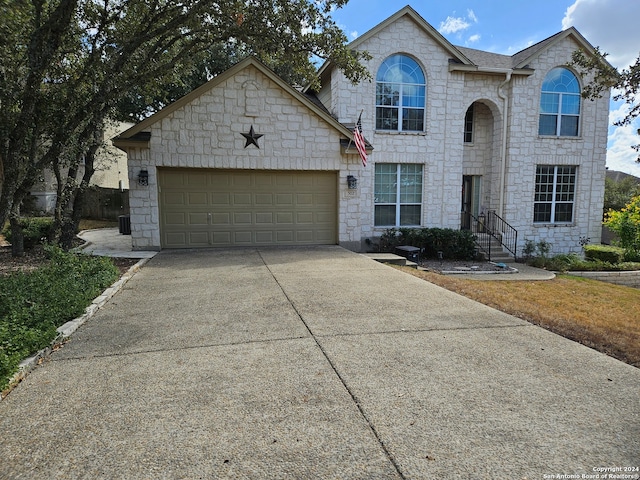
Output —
(600, 315)
(89, 224)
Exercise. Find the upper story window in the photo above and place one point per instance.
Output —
(560, 104)
(400, 95)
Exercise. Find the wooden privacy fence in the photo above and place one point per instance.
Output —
(105, 203)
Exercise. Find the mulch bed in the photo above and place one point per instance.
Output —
(463, 266)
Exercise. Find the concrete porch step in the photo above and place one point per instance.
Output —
(392, 259)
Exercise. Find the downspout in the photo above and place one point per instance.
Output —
(503, 149)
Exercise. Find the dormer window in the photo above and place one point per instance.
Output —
(400, 95)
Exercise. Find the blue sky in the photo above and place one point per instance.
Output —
(508, 26)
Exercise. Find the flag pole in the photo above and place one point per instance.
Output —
(359, 118)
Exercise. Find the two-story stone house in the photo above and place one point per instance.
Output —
(456, 134)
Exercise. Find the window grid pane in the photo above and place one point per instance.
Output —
(560, 104)
(400, 83)
(398, 195)
(554, 194)
(468, 125)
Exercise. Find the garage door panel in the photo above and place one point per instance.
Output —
(220, 199)
(242, 199)
(264, 238)
(263, 199)
(285, 199)
(285, 236)
(199, 179)
(197, 199)
(240, 179)
(211, 207)
(304, 199)
(243, 238)
(199, 239)
(305, 236)
(223, 218)
(324, 236)
(174, 198)
(264, 218)
(179, 239)
(243, 218)
(221, 238)
(322, 199)
(304, 218)
(284, 218)
(175, 218)
(198, 219)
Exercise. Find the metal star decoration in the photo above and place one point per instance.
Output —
(252, 138)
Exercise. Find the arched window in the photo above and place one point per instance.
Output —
(560, 104)
(400, 95)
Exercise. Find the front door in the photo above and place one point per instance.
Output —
(471, 185)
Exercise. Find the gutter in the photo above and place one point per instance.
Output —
(505, 129)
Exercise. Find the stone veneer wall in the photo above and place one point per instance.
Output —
(206, 133)
(628, 279)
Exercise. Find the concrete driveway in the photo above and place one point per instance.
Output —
(313, 363)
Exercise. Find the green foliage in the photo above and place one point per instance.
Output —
(35, 230)
(626, 224)
(573, 262)
(604, 253)
(454, 244)
(534, 249)
(619, 194)
(604, 77)
(34, 304)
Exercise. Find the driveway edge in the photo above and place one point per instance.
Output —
(67, 329)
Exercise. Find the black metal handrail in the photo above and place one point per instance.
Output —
(492, 226)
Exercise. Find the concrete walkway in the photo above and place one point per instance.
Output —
(313, 363)
(109, 242)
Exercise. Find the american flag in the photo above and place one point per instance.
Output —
(359, 140)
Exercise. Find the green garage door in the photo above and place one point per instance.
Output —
(211, 208)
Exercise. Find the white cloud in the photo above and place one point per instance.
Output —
(353, 35)
(474, 38)
(620, 155)
(610, 24)
(458, 24)
(453, 25)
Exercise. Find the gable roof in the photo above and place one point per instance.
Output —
(410, 13)
(139, 135)
(526, 56)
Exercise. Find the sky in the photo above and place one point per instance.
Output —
(508, 26)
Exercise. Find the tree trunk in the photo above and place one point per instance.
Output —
(75, 193)
(17, 235)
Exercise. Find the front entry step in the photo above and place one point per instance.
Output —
(392, 259)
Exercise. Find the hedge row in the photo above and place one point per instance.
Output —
(454, 244)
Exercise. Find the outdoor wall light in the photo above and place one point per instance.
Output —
(352, 182)
(143, 178)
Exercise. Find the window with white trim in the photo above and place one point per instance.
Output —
(555, 194)
(560, 104)
(468, 125)
(398, 195)
(400, 95)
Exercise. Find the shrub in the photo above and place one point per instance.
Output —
(604, 253)
(35, 230)
(34, 304)
(454, 244)
(626, 224)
